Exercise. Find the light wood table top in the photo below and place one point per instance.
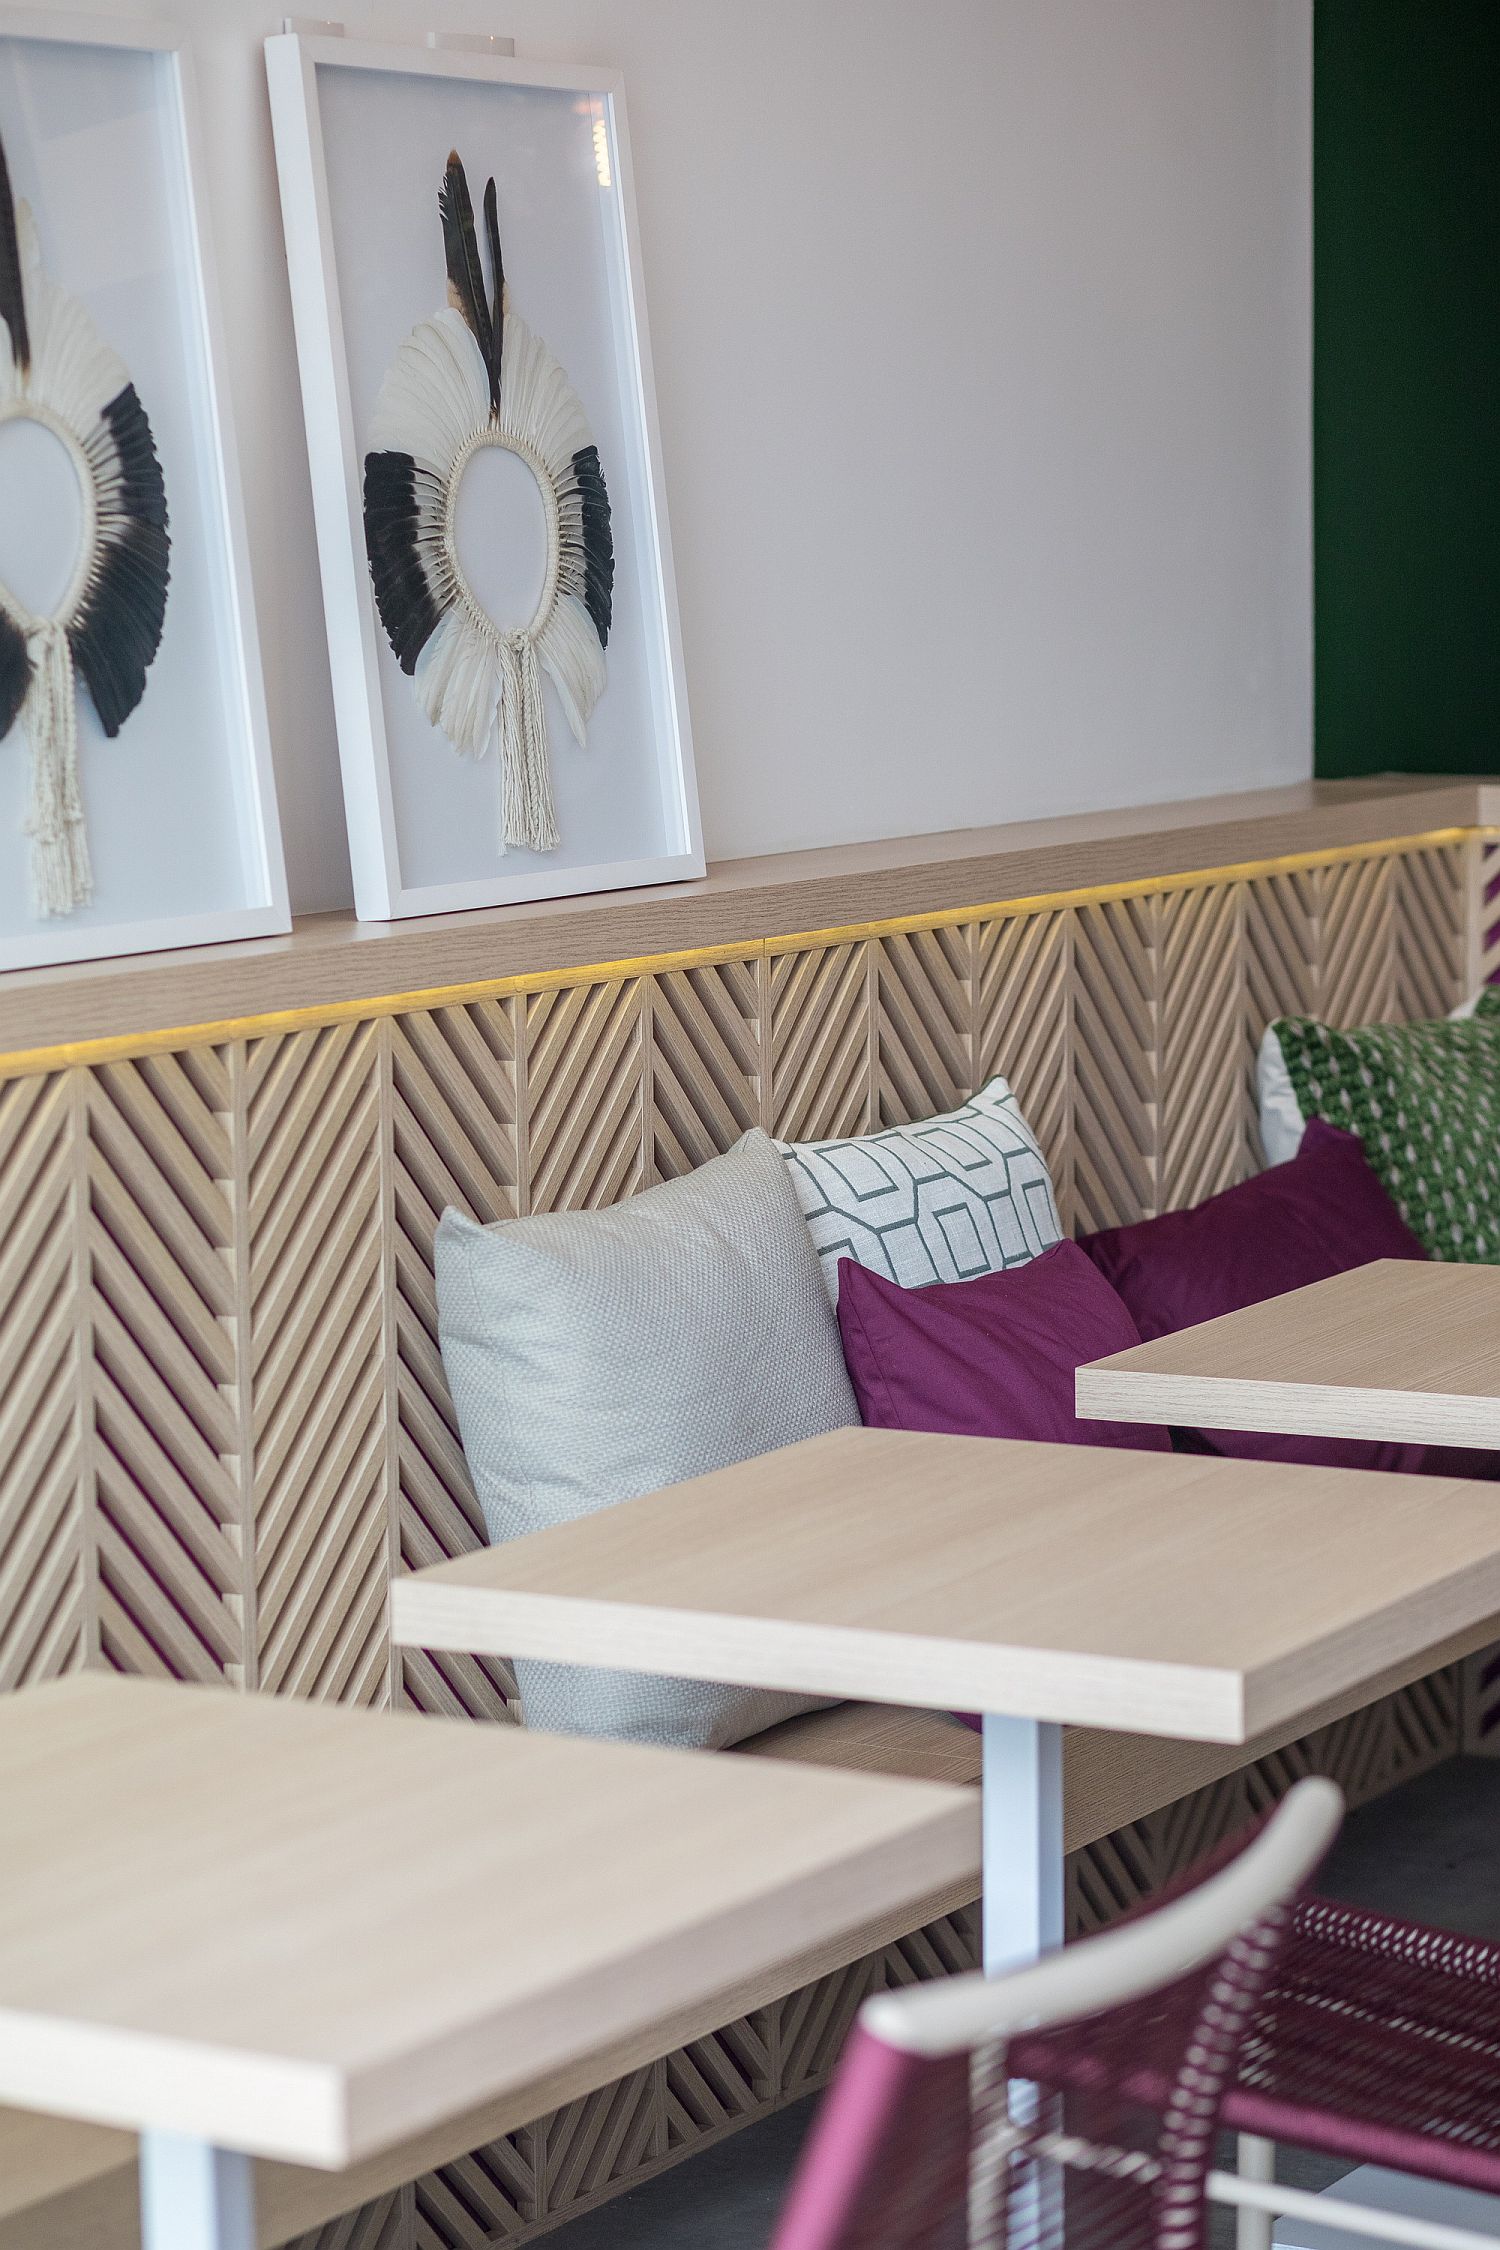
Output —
(1399, 1350)
(307, 1932)
(1165, 1594)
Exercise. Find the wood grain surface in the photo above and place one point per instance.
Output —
(1396, 1349)
(1161, 1594)
(208, 1904)
(330, 959)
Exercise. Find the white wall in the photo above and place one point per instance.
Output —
(982, 343)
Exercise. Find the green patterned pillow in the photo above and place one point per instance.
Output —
(1425, 1100)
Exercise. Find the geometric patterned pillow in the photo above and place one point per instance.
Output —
(1424, 1099)
(955, 1196)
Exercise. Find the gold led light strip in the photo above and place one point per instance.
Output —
(27, 1061)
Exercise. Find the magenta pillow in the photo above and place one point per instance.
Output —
(990, 1357)
(1320, 1214)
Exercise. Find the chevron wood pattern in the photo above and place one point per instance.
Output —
(454, 1093)
(584, 1096)
(386, 2224)
(1429, 903)
(1357, 942)
(323, 1535)
(1116, 1061)
(173, 1572)
(1487, 912)
(821, 1059)
(706, 1063)
(1204, 1124)
(1024, 1029)
(45, 1532)
(924, 1023)
(224, 1420)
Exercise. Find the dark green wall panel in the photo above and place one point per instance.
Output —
(1407, 384)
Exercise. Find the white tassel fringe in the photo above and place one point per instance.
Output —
(529, 817)
(61, 877)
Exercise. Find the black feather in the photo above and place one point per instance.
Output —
(12, 295)
(394, 509)
(116, 630)
(598, 541)
(497, 309)
(15, 672)
(465, 273)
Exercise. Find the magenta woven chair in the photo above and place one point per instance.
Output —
(1378, 2041)
(934, 2137)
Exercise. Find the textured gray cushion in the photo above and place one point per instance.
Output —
(595, 1355)
(947, 1199)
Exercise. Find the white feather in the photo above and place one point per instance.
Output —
(73, 374)
(569, 648)
(435, 395)
(457, 679)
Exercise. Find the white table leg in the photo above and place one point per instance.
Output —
(1023, 1907)
(1023, 1841)
(195, 2196)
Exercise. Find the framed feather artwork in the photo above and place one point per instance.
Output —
(492, 532)
(137, 808)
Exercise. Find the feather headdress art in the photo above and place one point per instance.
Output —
(475, 375)
(56, 369)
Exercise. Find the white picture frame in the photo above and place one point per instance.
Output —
(359, 129)
(181, 806)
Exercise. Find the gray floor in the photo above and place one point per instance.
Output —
(1431, 1851)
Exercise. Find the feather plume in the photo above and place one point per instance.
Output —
(15, 672)
(497, 309)
(12, 289)
(466, 290)
(116, 629)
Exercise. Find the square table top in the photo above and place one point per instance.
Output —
(310, 1932)
(1398, 1349)
(1159, 1593)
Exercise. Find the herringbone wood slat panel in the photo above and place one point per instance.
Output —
(587, 2145)
(1281, 949)
(385, 2224)
(1280, 938)
(323, 1548)
(1023, 1030)
(453, 1140)
(1479, 1689)
(1487, 913)
(1357, 942)
(822, 1064)
(490, 2196)
(42, 1453)
(812, 2025)
(1206, 1104)
(924, 1016)
(584, 1076)
(241, 1238)
(1431, 932)
(721, 2081)
(167, 1377)
(1116, 1060)
(705, 1045)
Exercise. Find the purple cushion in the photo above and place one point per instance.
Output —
(990, 1357)
(1320, 1214)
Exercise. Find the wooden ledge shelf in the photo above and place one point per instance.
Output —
(332, 965)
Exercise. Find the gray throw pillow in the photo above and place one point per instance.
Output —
(596, 1355)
